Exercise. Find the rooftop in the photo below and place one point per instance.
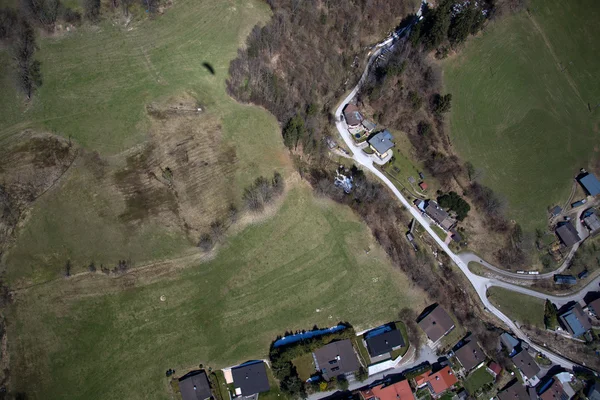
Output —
(436, 324)
(336, 358)
(568, 234)
(251, 378)
(397, 391)
(514, 392)
(526, 364)
(575, 320)
(592, 221)
(439, 382)
(352, 115)
(194, 386)
(470, 355)
(509, 341)
(594, 306)
(554, 392)
(590, 183)
(438, 214)
(384, 342)
(382, 141)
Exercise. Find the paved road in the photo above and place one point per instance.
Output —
(468, 257)
(480, 284)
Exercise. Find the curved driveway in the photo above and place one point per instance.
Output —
(480, 284)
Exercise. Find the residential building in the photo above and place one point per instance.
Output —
(438, 215)
(516, 391)
(555, 211)
(381, 143)
(494, 368)
(565, 279)
(526, 364)
(250, 378)
(511, 343)
(592, 221)
(438, 382)
(567, 234)
(590, 183)
(593, 392)
(436, 323)
(194, 386)
(368, 125)
(383, 340)
(470, 355)
(593, 308)
(336, 358)
(396, 391)
(575, 321)
(553, 390)
(353, 116)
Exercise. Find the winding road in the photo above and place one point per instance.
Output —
(480, 284)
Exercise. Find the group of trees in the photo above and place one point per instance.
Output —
(450, 22)
(260, 193)
(550, 315)
(455, 203)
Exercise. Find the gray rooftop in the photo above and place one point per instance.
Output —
(592, 221)
(382, 141)
(590, 183)
(526, 364)
(251, 378)
(336, 358)
(568, 234)
(470, 355)
(194, 386)
(436, 324)
(576, 321)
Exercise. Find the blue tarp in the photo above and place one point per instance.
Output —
(307, 335)
(377, 331)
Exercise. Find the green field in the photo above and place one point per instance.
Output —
(520, 104)
(519, 307)
(477, 380)
(113, 338)
(97, 82)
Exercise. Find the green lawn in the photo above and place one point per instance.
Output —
(527, 93)
(522, 308)
(305, 366)
(401, 351)
(477, 380)
(114, 338)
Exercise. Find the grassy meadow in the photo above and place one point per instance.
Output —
(97, 83)
(520, 104)
(95, 337)
(519, 307)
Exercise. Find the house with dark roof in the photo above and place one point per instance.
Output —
(437, 382)
(436, 323)
(250, 378)
(335, 359)
(396, 391)
(567, 233)
(526, 364)
(575, 320)
(555, 211)
(589, 183)
(516, 391)
(353, 118)
(593, 392)
(470, 355)
(439, 215)
(194, 386)
(593, 308)
(383, 340)
(553, 391)
(381, 143)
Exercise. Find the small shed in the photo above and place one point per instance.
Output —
(423, 185)
(556, 210)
